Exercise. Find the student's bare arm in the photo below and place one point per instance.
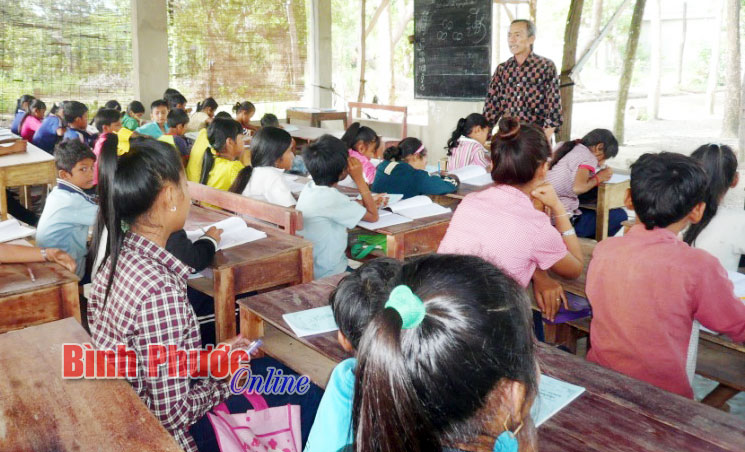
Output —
(355, 172)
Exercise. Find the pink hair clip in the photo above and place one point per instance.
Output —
(421, 148)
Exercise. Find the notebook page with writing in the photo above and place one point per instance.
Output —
(553, 396)
(311, 321)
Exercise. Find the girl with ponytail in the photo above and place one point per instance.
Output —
(721, 230)
(31, 121)
(203, 116)
(364, 145)
(271, 155)
(220, 164)
(466, 146)
(576, 169)
(402, 171)
(244, 111)
(21, 108)
(409, 388)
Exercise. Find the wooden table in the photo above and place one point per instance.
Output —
(418, 237)
(610, 196)
(274, 261)
(40, 411)
(615, 414)
(33, 167)
(23, 302)
(315, 117)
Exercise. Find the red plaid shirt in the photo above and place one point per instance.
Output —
(147, 305)
(528, 92)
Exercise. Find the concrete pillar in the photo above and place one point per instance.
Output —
(319, 51)
(149, 50)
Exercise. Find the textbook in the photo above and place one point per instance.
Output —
(13, 230)
(417, 207)
(311, 321)
(473, 175)
(385, 219)
(553, 396)
(234, 232)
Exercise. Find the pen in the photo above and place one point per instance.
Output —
(31, 274)
(252, 348)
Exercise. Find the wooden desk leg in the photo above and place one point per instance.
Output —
(602, 212)
(224, 304)
(395, 246)
(252, 328)
(306, 265)
(69, 295)
(719, 396)
(3, 203)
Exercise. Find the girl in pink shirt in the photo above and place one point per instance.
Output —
(466, 146)
(364, 144)
(32, 120)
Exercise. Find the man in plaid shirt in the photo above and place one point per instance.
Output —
(526, 86)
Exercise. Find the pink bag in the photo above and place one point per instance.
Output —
(259, 430)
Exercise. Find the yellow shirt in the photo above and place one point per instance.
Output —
(223, 173)
(194, 167)
(123, 147)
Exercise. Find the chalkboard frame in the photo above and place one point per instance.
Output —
(419, 54)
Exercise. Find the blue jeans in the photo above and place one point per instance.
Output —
(584, 224)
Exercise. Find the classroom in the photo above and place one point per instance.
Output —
(372, 225)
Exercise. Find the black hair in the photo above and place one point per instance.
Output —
(158, 103)
(362, 294)
(26, 98)
(665, 187)
(326, 159)
(409, 390)
(68, 152)
(207, 103)
(595, 137)
(517, 152)
(269, 120)
(177, 117)
(464, 128)
(35, 104)
(55, 108)
(73, 109)
(407, 147)
(135, 107)
(114, 105)
(356, 133)
(107, 161)
(720, 164)
(174, 100)
(267, 146)
(223, 115)
(136, 180)
(106, 117)
(243, 106)
(218, 133)
(170, 92)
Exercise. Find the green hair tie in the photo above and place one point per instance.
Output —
(408, 305)
(125, 226)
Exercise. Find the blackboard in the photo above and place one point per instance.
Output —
(452, 49)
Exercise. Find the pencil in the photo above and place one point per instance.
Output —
(31, 274)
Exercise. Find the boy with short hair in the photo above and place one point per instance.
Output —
(69, 212)
(158, 114)
(270, 120)
(108, 122)
(177, 120)
(76, 117)
(328, 213)
(647, 287)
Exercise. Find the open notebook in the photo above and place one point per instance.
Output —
(311, 321)
(12, 230)
(553, 396)
(234, 232)
(473, 175)
(405, 211)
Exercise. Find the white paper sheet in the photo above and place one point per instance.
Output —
(311, 321)
(235, 232)
(553, 396)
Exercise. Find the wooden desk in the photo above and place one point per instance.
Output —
(610, 196)
(274, 261)
(53, 296)
(42, 412)
(315, 117)
(422, 236)
(33, 167)
(616, 413)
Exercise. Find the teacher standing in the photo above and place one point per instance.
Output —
(526, 86)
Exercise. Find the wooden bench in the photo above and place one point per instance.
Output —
(287, 219)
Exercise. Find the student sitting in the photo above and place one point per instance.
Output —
(108, 122)
(177, 120)
(355, 301)
(328, 213)
(244, 111)
(50, 130)
(203, 117)
(270, 120)
(21, 108)
(139, 295)
(721, 230)
(271, 156)
(159, 114)
(21, 254)
(176, 101)
(450, 358)
(31, 122)
(575, 170)
(364, 144)
(647, 287)
(76, 117)
(132, 119)
(501, 224)
(220, 166)
(69, 212)
(466, 146)
(402, 171)
(113, 105)
(170, 93)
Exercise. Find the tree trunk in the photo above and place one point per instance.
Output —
(716, 38)
(655, 58)
(597, 19)
(681, 53)
(392, 58)
(730, 124)
(378, 12)
(628, 69)
(294, 51)
(361, 94)
(571, 32)
(533, 7)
